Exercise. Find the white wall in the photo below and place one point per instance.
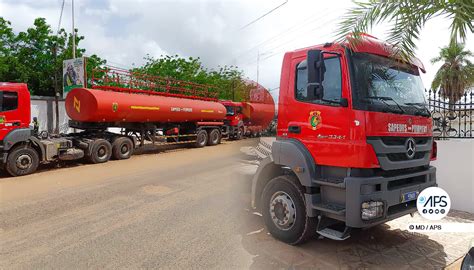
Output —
(39, 110)
(455, 172)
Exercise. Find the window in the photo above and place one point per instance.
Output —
(331, 84)
(8, 101)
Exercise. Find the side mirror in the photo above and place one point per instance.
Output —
(316, 70)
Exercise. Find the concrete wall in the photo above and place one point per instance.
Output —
(44, 108)
(455, 172)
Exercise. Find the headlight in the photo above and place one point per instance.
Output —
(372, 210)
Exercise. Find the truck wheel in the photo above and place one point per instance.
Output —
(240, 134)
(201, 138)
(122, 148)
(214, 137)
(284, 211)
(22, 160)
(101, 151)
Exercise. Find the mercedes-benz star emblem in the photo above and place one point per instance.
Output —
(410, 145)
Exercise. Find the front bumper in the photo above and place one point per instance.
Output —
(344, 201)
(389, 190)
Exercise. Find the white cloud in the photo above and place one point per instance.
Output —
(124, 31)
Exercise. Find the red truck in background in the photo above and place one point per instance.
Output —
(251, 117)
(183, 113)
(354, 142)
(147, 109)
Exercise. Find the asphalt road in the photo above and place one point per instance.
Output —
(181, 209)
(174, 209)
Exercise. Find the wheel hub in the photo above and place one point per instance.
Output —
(23, 162)
(124, 149)
(101, 152)
(282, 210)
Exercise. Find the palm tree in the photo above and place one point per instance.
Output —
(456, 76)
(408, 17)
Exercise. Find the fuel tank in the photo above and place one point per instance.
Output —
(89, 105)
(259, 110)
(258, 114)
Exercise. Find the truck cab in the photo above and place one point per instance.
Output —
(15, 130)
(234, 119)
(354, 142)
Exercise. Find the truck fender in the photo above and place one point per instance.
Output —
(293, 154)
(42, 151)
(15, 136)
(267, 170)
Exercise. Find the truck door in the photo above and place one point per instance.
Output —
(11, 117)
(322, 125)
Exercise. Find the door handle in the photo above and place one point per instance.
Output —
(294, 129)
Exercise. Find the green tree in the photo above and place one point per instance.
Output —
(456, 76)
(227, 80)
(35, 56)
(408, 17)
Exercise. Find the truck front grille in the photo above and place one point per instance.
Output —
(392, 152)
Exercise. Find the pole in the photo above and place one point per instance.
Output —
(258, 60)
(73, 33)
(56, 93)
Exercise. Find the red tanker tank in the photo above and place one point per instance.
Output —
(89, 105)
(260, 109)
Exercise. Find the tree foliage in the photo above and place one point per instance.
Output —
(35, 56)
(227, 79)
(408, 17)
(456, 76)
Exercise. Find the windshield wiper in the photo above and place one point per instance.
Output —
(384, 99)
(421, 108)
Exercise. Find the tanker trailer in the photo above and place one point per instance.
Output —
(143, 117)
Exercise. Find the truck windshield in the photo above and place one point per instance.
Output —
(230, 110)
(387, 85)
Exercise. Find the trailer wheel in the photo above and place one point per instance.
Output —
(201, 138)
(284, 211)
(101, 151)
(214, 137)
(22, 160)
(122, 148)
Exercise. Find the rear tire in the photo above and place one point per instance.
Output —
(122, 148)
(101, 151)
(214, 137)
(22, 160)
(201, 138)
(284, 211)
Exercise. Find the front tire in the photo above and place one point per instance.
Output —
(284, 211)
(22, 160)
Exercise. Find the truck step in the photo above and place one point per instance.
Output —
(330, 208)
(335, 234)
(338, 183)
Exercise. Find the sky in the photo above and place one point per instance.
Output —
(126, 31)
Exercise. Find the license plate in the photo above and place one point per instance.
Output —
(409, 196)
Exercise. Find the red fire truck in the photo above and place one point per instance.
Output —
(354, 142)
(252, 116)
(182, 113)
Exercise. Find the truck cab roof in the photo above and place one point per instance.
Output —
(368, 44)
